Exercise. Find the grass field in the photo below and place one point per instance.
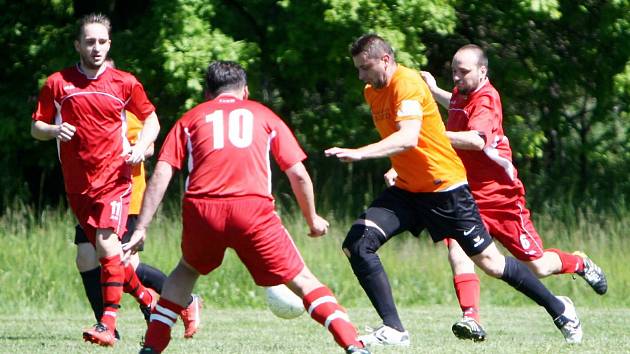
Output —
(510, 330)
(43, 307)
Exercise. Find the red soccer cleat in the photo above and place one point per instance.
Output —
(100, 334)
(191, 316)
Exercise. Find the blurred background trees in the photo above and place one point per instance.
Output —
(562, 67)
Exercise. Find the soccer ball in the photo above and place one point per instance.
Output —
(283, 302)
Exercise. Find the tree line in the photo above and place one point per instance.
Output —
(562, 67)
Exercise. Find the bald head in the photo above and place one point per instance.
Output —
(470, 68)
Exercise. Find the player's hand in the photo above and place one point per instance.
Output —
(134, 156)
(319, 227)
(343, 154)
(135, 243)
(65, 131)
(390, 177)
(429, 79)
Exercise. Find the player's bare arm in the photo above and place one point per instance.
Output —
(466, 140)
(152, 198)
(44, 131)
(442, 97)
(406, 137)
(147, 136)
(302, 187)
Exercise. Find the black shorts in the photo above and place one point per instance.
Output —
(450, 214)
(80, 237)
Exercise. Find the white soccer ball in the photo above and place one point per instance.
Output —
(283, 302)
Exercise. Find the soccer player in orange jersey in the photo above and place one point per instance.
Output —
(430, 193)
(225, 142)
(475, 129)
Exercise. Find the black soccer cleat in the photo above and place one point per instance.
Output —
(593, 274)
(468, 328)
(356, 350)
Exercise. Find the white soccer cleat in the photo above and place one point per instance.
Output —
(385, 335)
(569, 323)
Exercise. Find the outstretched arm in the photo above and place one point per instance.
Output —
(406, 137)
(302, 187)
(152, 198)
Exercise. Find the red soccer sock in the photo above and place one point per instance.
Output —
(570, 262)
(112, 278)
(323, 308)
(163, 318)
(135, 288)
(467, 290)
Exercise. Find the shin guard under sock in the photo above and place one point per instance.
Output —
(467, 290)
(112, 279)
(522, 279)
(323, 308)
(151, 277)
(93, 290)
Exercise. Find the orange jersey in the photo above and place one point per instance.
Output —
(432, 165)
(134, 126)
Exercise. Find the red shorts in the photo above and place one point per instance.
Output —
(106, 208)
(250, 226)
(511, 225)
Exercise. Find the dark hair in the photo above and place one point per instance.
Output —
(481, 54)
(372, 45)
(223, 76)
(93, 18)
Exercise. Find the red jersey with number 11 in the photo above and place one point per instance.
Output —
(226, 143)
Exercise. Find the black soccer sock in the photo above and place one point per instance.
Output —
(379, 291)
(522, 279)
(92, 285)
(151, 277)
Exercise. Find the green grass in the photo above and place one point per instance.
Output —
(510, 329)
(43, 307)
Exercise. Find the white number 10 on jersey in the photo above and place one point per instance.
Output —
(240, 128)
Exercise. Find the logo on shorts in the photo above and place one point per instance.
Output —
(478, 240)
(467, 232)
(116, 210)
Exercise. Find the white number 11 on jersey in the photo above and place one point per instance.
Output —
(240, 128)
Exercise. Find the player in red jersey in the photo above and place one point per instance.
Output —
(475, 129)
(225, 142)
(430, 193)
(152, 278)
(83, 107)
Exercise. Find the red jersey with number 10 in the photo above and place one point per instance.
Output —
(226, 142)
(491, 175)
(96, 107)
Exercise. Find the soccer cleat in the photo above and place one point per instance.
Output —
(468, 328)
(385, 335)
(569, 323)
(593, 274)
(191, 316)
(146, 350)
(146, 310)
(356, 350)
(100, 334)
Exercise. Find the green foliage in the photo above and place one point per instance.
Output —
(562, 67)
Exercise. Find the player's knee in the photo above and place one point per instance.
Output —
(86, 257)
(360, 247)
(539, 268)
